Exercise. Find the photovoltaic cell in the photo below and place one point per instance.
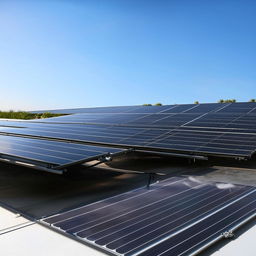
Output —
(160, 220)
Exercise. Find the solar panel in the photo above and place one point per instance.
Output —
(168, 219)
(49, 155)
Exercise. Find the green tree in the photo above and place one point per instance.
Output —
(147, 104)
(196, 102)
(252, 100)
(227, 101)
(158, 104)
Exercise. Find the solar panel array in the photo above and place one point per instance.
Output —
(227, 129)
(177, 216)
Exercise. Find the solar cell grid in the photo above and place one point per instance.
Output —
(205, 232)
(168, 218)
(180, 108)
(114, 222)
(244, 107)
(139, 232)
(149, 119)
(213, 120)
(204, 108)
(252, 112)
(150, 109)
(108, 202)
(49, 152)
(162, 227)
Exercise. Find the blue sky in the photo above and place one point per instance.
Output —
(63, 54)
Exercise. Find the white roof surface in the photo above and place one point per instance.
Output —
(243, 245)
(21, 237)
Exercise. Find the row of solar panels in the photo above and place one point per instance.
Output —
(210, 133)
(180, 139)
(241, 107)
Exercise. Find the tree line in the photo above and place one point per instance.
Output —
(197, 102)
(25, 115)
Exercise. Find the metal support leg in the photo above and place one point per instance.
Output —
(151, 177)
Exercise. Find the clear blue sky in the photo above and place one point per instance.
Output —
(62, 54)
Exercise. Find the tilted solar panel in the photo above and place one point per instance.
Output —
(49, 155)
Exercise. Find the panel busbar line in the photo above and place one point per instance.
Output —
(50, 154)
(167, 219)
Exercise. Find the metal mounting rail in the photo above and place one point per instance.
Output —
(101, 158)
(30, 164)
(56, 169)
(197, 157)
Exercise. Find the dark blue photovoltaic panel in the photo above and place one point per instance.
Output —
(253, 112)
(164, 120)
(207, 143)
(149, 120)
(175, 120)
(50, 152)
(151, 109)
(207, 231)
(204, 108)
(242, 108)
(157, 220)
(181, 108)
